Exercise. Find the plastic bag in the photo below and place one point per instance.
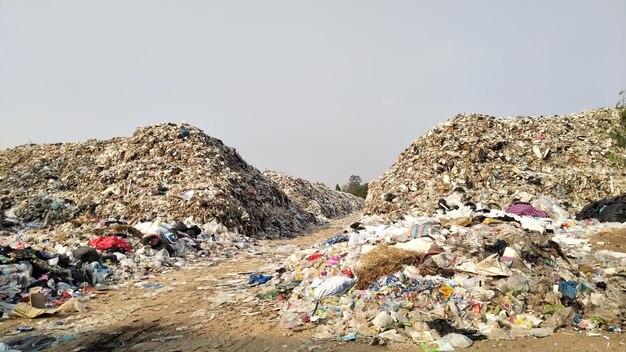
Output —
(458, 340)
(333, 286)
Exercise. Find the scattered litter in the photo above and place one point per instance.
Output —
(259, 279)
(476, 279)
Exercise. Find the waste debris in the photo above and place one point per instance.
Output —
(472, 273)
(172, 171)
(316, 198)
(25, 310)
(466, 257)
(79, 219)
(497, 161)
(49, 270)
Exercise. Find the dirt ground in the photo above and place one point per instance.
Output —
(189, 314)
(614, 240)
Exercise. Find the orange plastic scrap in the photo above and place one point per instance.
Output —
(445, 291)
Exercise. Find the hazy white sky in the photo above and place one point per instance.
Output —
(315, 89)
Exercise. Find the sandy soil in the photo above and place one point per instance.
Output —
(614, 240)
(184, 315)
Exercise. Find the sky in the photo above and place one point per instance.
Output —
(315, 89)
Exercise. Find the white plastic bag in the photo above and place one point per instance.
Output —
(421, 245)
(333, 286)
(458, 340)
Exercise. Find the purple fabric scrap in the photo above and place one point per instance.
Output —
(525, 209)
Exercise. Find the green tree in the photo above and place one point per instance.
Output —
(354, 180)
(337, 188)
(361, 191)
(355, 187)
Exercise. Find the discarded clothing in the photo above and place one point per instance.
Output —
(111, 244)
(525, 209)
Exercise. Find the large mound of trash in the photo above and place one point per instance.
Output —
(456, 276)
(316, 198)
(173, 171)
(493, 159)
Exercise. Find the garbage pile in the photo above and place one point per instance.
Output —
(493, 159)
(316, 198)
(44, 270)
(171, 171)
(461, 274)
